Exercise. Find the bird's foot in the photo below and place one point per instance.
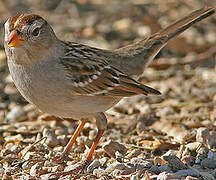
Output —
(76, 172)
(59, 159)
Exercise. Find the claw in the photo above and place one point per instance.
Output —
(61, 158)
(77, 171)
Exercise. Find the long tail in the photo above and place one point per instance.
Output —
(137, 56)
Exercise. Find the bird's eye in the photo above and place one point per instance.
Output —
(35, 32)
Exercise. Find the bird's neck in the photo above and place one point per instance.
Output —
(26, 56)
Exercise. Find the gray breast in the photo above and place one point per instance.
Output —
(45, 85)
(40, 82)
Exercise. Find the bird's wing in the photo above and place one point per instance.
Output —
(92, 77)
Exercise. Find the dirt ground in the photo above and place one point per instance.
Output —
(172, 136)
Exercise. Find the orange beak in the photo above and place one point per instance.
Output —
(15, 39)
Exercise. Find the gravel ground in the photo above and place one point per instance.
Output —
(172, 136)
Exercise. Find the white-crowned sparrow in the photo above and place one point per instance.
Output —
(76, 81)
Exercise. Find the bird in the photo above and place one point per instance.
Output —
(72, 80)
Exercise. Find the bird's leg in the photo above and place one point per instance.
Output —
(73, 138)
(68, 147)
(101, 123)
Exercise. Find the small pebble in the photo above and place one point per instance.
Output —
(134, 177)
(99, 172)
(191, 178)
(16, 148)
(164, 167)
(112, 147)
(211, 140)
(208, 163)
(95, 164)
(58, 149)
(175, 163)
(202, 135)
(166, 111)
(103, 160)
(92, 134)
(15, 138)
(35, 170)
(16, 114)
(2, 58)
(141, 163)
(51, 140)
(48, 163)
(122, 25)
(62, 139)
(170, 152)
(113, 166)
(202, 152)
(143, 31)
(193, 146)
(8, 146)
(210, 155)
(197, 161)
(187, 172)
(167, 176)
(154, 169)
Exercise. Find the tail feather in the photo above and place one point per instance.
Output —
(157, 41)
(141, 53)
(183, 24)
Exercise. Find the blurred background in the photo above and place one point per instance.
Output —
(184, 71)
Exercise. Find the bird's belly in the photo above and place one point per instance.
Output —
(77, 107)
(50, 94)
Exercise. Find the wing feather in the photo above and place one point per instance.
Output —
(92, 77)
